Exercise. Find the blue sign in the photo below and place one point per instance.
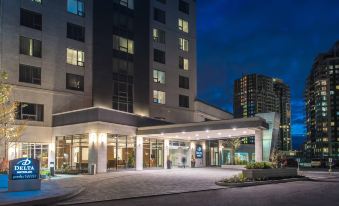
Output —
(24, 169)
(198, 151)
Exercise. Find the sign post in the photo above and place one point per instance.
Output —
(24, 175)
(298, 160)
(330, 162)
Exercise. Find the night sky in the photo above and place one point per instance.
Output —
(274, 38)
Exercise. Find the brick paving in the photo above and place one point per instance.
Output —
(129, 184)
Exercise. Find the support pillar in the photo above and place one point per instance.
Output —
(166, 152)
(92, 149)
(258, 146)
(102, 153)
(139, 154)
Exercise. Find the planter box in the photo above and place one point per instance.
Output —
(234, 167)
(270, 173)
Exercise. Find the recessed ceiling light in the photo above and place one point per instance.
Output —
(234, 129)
(183, 132)
(207, 130)
(162, 134)
(245, 132)
(197, 135)
(219, 133)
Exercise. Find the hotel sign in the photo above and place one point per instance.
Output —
(24, 169)
(198, 152)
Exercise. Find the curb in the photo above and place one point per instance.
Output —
(46, 201)
(249, 184)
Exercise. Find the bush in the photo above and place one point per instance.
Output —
(259, 165)
(45, 172)
(240, 178)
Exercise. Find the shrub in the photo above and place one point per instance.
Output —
(259, 165)
(45, 172)
(240, 178)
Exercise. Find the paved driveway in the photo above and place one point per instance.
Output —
(128, 184)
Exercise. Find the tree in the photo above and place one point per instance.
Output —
(277, 158)
(233, 144)
(9, 131)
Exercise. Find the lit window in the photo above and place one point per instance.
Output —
(337, 87)
(183, 25)
(159, 76)
(183, 63)
(37, 1)
(159, 97)
(75, 57)
(183, 44)
(159, 36)
(127, 3)
(76, 7)
(123, 44)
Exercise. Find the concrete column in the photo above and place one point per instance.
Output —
(203, 144)
(51, 154)
(258, 146)
(166, 152)
(139, 153)
(92, 149)
(102, 153)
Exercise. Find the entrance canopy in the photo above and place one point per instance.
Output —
(206, 130)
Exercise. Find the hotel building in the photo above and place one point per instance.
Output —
(111, 84)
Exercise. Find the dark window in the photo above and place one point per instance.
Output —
(159, 56)
(75, 32)
(184, 7)
(30, 19)
(184, 82)
(29, 74)
(159, 15)
(162, 1)
(184, 101)
(30, 47)
(31, 112)
(74, 82)
(123, 21)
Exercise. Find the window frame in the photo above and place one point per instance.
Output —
(34, 17)
(157, 78)
(38, 116)
(79, 62)
(78, 11)
(157, 94)
(81, 83)
(33, 79)
(33, 45)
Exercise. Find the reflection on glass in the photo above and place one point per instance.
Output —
(153, 153)
(72, 153)
(120, 152)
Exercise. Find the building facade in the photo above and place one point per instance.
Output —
(322, 106)
(89, 76)
(256, 93)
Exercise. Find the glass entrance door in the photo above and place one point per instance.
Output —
(120, 152)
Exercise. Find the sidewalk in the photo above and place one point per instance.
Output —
(51, 192)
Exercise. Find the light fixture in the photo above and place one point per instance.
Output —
(234, 129)
(229, 135)
(183, 132)
(207, 130)
(219, 133)
(245, 132)
(162, 134)
(197, 135)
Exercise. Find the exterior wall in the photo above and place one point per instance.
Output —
(171, 109)
(52, 92)
(204, 111)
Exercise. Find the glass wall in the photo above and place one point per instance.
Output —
(72, 153)
(179, 153)
(31, 150)
(153, 153)
(212, 153)
(120, 152)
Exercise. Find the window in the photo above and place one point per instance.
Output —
(30, 19)
(32, 150)
(127, 3)
(159, 97)
(31, 112)
(158, 76)
(75, 32)
(162, 1)
(184, 82)
(30, 47)
(183, 101)
(159, 56)
(183, 63)
(159, 15)
(74, 82)
(184, 7)
(123, 21)
(183, 25)
(75, 57)
(29, 74)
(159, 36)
(123, 44)
(183, 44)
(37, 1)
(76, 7)
(123, 92)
